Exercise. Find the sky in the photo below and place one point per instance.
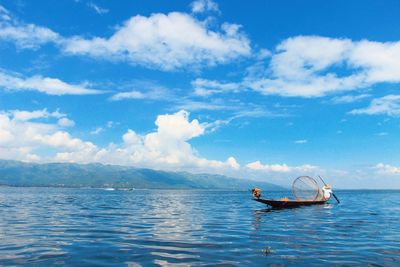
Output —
(265, 90)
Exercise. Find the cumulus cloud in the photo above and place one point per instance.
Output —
(382, 168)
(280, 168)
(168, 148)
(387, 105)
(47, 85)
(163, 41)
(315, 66)
(27, 35)
(21, 138)
(309, 66)
(39, 136)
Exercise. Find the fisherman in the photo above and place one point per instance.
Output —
(326, 192)
(256, 192)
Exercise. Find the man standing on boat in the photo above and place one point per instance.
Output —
(326, 192)
(256, 192)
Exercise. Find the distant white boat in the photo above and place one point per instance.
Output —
(109, 189)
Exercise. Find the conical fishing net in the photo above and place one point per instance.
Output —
(305, 188)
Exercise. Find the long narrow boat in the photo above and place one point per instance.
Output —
(289, 203)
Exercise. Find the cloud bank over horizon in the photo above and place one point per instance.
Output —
(42, 136)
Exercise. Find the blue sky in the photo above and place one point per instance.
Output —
(264, 90)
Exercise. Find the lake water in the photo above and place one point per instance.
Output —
(54, 226)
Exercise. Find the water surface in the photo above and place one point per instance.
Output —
(56, 226)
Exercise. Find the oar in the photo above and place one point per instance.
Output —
(333, 194)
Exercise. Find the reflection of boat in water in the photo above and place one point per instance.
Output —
(289, 203)
(306, 191)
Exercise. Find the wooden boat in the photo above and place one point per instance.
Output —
(306, 191)
(280, 204)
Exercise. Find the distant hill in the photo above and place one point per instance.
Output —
(16, 173)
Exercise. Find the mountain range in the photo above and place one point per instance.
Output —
(16, 173)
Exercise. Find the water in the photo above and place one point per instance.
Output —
(53, 226)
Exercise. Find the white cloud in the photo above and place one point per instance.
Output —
(26, 36)
(382, 168)
(4, 14)
(214, 104)
(302, 56)
(256, 112)
(280, 168)
(236, 109)
(128, 95)
(380, 61)
(100, 129)
(231, 162)
(47, 85)
(167, 148)
(315, 66)
(349, 98)
(157, 41)
(178, 126)
(23, 115)
(301, 141)
(97, 130)
(152, 92)
(163, 41)
(263, 54)
(22, 139)
(200, 6)
(387, 105)
(65, 122)
(99, 10)
(63, 140)
(258, 166)
(309, 66)
(203, 87)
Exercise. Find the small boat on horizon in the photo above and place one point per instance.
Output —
(306, 191)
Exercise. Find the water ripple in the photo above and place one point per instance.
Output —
(85, 227)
